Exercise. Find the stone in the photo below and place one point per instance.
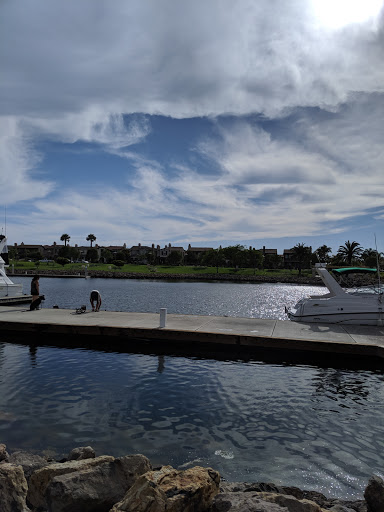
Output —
(41, 478)
(341, 508)
(374, 494)
(29, 462)
(97, 487)
(81, 453)
(3, 453)
(13, 488)
(168, 489)
(291, 503)
(237, 501)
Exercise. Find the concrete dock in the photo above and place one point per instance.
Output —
(181, 331)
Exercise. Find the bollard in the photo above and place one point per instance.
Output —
(163, 316)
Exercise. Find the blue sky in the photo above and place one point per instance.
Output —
(210, 123)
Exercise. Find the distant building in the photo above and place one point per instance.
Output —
(194, 254)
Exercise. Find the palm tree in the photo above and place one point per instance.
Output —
(349, 251)
(91, 238)
(302, 255)
(65, 238)
(323, 253)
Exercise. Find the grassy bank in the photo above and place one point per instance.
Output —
(75, 268)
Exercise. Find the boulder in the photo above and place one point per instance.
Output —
(374, 494)
(81, 453)
(94, 487)
(29, 462)
(3, 453)
(41, 478)
(243, 502)
(291, 503)
(13, 488)
(171, 490)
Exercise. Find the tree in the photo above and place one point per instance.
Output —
(323, 253)
(349, 251)
(235, 254)
(174, 258)
(91, 238)
(65, 238)
(302, 255)
(255, 258)
(214, 258)
(370, 257)
(62, 261)
(93, 255)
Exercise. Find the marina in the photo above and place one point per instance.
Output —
(188, 373)
(205, 331)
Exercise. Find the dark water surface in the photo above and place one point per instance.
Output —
(316, 428)
(304, 425)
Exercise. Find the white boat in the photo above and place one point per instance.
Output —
(7, 287)
(340, 306)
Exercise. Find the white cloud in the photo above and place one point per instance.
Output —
(179, 58)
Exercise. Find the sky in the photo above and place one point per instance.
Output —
(220, 122)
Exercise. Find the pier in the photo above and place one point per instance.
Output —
(181, 332)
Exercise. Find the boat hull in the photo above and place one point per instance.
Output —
(11, 290)
(362, 311)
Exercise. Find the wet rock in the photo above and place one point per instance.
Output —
(291, 503)
(243, 502)
(171, 490)
(374, 494)
(97, 487)
(3, 453)
(81, 453)
(29, 462)
(41, 478)
(13, 488)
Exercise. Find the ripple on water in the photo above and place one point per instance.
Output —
(298, 425)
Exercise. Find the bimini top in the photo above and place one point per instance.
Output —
(354, 270)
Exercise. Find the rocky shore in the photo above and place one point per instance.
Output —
(83, 482)
(283, 278)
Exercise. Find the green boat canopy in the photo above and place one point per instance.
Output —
(354, 270)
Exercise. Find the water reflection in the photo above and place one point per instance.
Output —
(302, 425)
(32, 354)
(337, 383)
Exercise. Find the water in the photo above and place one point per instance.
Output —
(315, 428)
(255, 300)
(304, 425)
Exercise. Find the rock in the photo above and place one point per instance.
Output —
(291, 503)
(171, 490)
(341, 508)
(13, 488)
(3, 453)
(243, 502)
(94, 487)
(81, 453)
(29, 462)
(41, 478)
(262, 502)
(374, 494)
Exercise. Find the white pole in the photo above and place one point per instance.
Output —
(163, 317)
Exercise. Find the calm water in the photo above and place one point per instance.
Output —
(195, 298)
(316, 428)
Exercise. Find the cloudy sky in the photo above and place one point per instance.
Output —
(258, 122)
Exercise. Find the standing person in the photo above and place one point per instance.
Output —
(95, 298)
(35, 292)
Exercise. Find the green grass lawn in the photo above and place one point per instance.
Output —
(149, 269)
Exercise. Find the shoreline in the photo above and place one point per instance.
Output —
(84, 481)
(283, 279)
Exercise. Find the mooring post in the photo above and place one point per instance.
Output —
(163, 316)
